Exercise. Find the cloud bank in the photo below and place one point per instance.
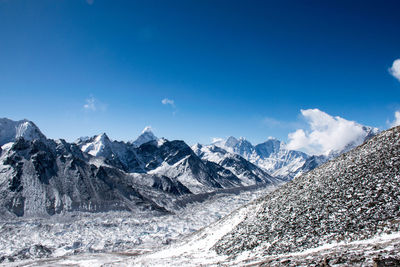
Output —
(325, 133)
(395, 69)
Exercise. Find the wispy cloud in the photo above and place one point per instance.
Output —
(90, 2)
(92, 104)
(167, 101)
(395, 69)
(170, 102)
(396, 121)
(324, 133)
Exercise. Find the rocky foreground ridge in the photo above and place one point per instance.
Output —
(353, 197)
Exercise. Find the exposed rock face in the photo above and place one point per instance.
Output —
(40, 178)
(353, 197)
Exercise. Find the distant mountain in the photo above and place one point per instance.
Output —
(272, 155)
(41, 176)
(236, 164)
(352, 197)
(146, 136)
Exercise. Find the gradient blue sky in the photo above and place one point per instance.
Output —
(242, 68)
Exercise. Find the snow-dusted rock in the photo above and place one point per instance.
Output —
(146, 136)
(11, 130)
(352, 197)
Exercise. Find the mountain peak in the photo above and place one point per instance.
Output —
(102, 138)
(146, 136)
(231, 141)
(11, 130)
(147, 129)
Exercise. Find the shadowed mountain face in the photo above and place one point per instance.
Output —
(352, 197)
(40, 176)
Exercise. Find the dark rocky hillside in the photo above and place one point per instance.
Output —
(353, 197)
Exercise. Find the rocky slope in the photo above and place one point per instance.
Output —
(353, 197)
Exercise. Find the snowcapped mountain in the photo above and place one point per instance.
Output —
(41, 176)
(352, 197)
(249, 173)
(11, 130)
(146, 136)
(45, 178)
(272, 155)
(117, 154)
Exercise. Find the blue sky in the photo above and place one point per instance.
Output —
(241, 68)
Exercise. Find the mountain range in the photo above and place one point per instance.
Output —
(44, 176)
(41, 176)
(274, 157)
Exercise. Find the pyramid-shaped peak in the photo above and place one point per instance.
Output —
(147, 129)
(102, 137)
(146, 136)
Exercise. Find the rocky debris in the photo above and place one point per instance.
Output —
(353, 197)
(35, 251)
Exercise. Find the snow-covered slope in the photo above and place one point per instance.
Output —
(246, 171)
(118, 154)
(272, 155)
(176, 160)
(11, 130)
(146, 136)
(352, 197)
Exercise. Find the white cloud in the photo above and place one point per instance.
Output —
(396, 121)
(92, 104)
(395, 69)
(217, 140)
(326, 133)
(167, 101)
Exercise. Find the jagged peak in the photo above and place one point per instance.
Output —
(102, 137)
(147, 135)
(11, 130)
